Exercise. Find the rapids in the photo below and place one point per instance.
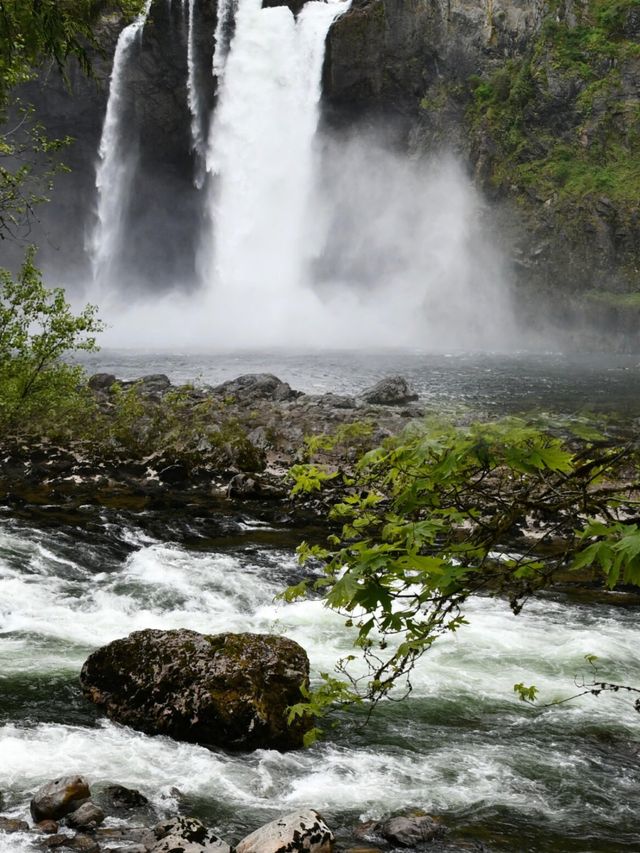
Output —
(518, 778)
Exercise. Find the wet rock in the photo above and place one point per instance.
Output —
(303, 830)
(241, 485)
(59, 798)
(256, 386)
(47, 827)
(411, 830)
(154, 383)
(391, 391)
(337, 401)
(9, 825)
(101, 382)
(54, 842)
(120, 798)
(229, 690)
(294, 5)
(86, 816)
(83, 844)
(187, 835)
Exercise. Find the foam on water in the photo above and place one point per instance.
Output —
(482, 748)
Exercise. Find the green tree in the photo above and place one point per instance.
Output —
(38, 327)
(447, 511)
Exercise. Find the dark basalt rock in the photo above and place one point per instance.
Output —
(294, 5)
(86, 816)
(391, 391)
(257, 386)
(124, 799)
(228, 690)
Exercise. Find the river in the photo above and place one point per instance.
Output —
(462, 746)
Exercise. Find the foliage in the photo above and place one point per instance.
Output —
(575, 68)
(447, 511)
(37, 327)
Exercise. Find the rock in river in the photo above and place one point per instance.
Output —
(303, 830)
(59, 798)
(228, 690)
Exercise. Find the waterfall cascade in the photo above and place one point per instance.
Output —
(261, 153)
(298, 238)
(115, 165)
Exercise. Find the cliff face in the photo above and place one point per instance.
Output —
(541, 98)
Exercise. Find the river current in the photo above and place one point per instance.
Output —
(515, 777)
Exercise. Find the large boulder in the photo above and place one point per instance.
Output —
(391, 391)
(228, 690)
(304, 830)
(59, 798)
(256, 386)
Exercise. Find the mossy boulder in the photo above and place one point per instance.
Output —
(226, 690)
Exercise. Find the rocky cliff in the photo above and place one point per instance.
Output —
(541, 98)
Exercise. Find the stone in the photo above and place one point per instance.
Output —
(256, 386)
(303, 830)
(337, 401)
(53, 842)
(390, 391)
(187, 835)
(47, 827)
(125, 799)
(294, 5)
(59, 798)
(411, 830)
(9, 825)
(82, 843)
(102, 382)
(228, 690)
(154, 383)
(86, 816)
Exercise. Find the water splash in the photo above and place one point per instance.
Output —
(115, 167)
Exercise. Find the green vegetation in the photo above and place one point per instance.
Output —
(444, 512)
(37, 327)
(563, 121)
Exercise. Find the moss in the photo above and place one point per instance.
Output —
(624, 301)
(558, 118)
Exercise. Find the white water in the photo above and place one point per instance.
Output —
(461, 742)
(225, 11)
(198, 141)
(115, 164)
(261, 151)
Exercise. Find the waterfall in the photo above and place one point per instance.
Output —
(226, 11)
(115, 167)
(198, 141)
(261, 152)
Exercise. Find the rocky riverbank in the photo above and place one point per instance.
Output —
(66, 814)
(149, 443)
